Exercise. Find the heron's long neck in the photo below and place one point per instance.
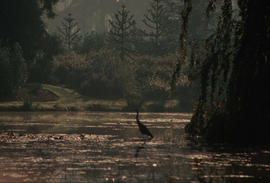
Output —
(137, 117)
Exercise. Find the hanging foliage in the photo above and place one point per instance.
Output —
(233, 73)
(182, 41)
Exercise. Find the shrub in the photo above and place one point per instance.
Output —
(12, 69)
(97, 75)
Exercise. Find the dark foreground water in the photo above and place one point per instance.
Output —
(107, 147)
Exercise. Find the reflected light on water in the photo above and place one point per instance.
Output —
(108, 147)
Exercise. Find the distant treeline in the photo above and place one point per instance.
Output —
(127, 62)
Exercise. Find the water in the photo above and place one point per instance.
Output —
(107, 147)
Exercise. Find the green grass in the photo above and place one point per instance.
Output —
(70, 100)
(65, 95)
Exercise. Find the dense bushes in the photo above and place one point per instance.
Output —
(96, 75)
(102, 75)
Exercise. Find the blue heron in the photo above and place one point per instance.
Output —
(143, 129)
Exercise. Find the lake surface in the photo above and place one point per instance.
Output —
(86, 147)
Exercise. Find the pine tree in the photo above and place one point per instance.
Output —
(69, 31)
(154, 20)
(121, 30)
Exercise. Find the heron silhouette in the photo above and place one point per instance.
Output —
(143, 129)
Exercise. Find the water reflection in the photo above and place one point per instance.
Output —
(139, 148)
(108, 147)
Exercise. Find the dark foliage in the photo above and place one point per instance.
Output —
(92, 42)
(234, 100)
(22, 25)
(41, 69)
(12, 70)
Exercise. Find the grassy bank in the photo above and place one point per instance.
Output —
(65, 99)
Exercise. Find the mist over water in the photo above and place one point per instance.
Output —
(108, 147)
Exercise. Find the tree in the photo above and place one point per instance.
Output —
(183, 37)
(12, 69)
(234, 77)
(172, 24)
(120, 31)
(154, 20)
(21, 23)
(91, 42)
(69, 31)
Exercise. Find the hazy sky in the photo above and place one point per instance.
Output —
(93, 14)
